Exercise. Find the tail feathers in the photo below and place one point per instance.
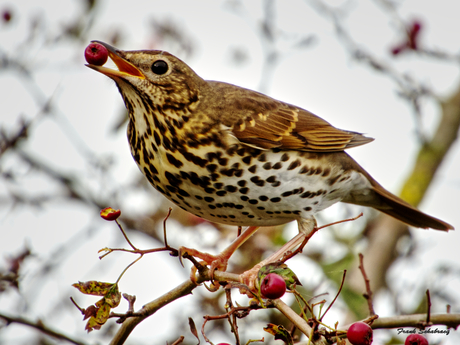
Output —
(386, 202)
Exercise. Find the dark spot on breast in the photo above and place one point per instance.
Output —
(193, 158)
(182, 192)
(198, 197)
(277, 166)
(241, 152)
(153, 170)
(227, 172)
(231, 150)
(276, 184)
(262, 158)
(244, 198)
(263, 198)
(253, 169)
(230, 188)
(208, 199)
(285, 194)
(209, 190)
(239, 207)
(318, 171)
(261, 208)
(307, 208)
(284, 157)
(244, 190)
(332, 180)
(239, 173)
(172, 189)
(241, 183)
(253, 201)
(257, 181)
(294, 165)
(247, 160)
(326, 172)
(306, 195)
(271, 179)
(173, 180)
(174, 161)
(275, 199)
(267, 166)
(212, 207)
(221, 193)
(211, 167)
(304, 170)
(287, 212)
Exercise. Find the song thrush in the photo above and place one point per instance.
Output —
(235, 156)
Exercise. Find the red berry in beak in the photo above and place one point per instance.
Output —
(96, 54)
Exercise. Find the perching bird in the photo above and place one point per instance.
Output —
(236, 156)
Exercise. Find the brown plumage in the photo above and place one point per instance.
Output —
(236, 156)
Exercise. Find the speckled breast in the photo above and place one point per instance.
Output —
(240, 185)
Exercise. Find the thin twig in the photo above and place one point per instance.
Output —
(336, 296)
(368, 294)
(39, 325)
(164, 226)
(124, 234)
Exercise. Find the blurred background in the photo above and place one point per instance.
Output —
(386, 68)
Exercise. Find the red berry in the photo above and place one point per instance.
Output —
(360, 333)
(96, 54)
(109, 213)
(6, 16)
(416, 339)
(273, 286)
(223, 344)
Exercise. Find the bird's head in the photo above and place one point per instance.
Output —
(152, 78)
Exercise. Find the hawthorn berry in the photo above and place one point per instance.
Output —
(416, 339)
(6, 16)
(273, 286)
(360, 333)
(96, 54)
(109, 213)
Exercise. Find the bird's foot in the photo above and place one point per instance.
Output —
(215, 262)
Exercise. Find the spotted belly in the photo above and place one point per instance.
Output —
(244, 186)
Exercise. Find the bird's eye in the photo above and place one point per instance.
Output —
(159, 67)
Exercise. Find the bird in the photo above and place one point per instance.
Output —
(235, 156)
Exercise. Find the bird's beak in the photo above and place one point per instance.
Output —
(125, 68)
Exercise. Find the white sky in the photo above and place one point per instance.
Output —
(321, 78)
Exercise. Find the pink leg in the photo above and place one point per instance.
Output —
(306, 226)
(220, 260)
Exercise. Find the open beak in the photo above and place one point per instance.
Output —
(125, 68)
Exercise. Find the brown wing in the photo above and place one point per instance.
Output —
(264, 122)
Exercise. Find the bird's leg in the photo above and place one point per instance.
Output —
(306, 226)
(220, 260)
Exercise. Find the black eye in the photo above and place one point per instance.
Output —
(159, 67)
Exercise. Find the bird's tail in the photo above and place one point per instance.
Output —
(386, 202)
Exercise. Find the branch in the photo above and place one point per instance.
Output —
(450, 320)
(152, 307)
(41, 327)
(301, 324)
